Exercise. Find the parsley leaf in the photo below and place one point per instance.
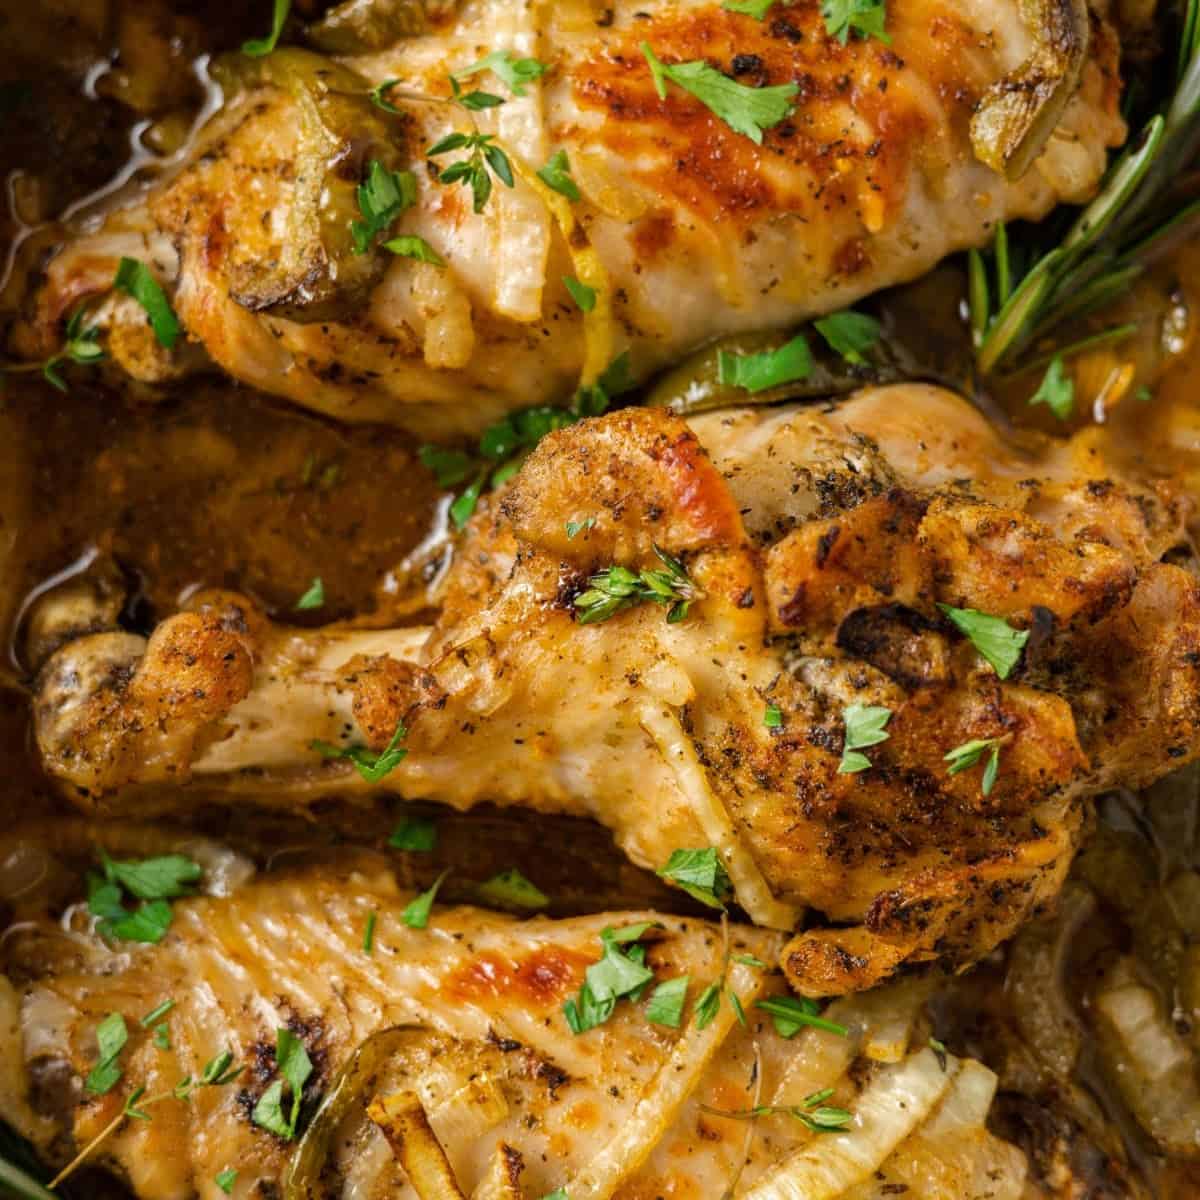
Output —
(156, 1013)
(667, 1001)
(135, 279)
(707, 1006)
(295, 1067)
(619, 973)
(793, 1013)
(409, 245)
(993, 637)
(516, 72)
(556, 175)
(416, 913)
(369, 933)
(963, 757)
(757, 9)
(111, 1036)
(225, 1180)
(162, 1036)
(771, 368)
(583, 295)
(382, 197)
(864, 727)
(504, 446)
(148, 923)
(701, 874)
(574, 528)
(1056, 391)
(371, 767)
(313, 598)
(773, 716)
(415, 833)
(850, 334)
(510, 889)
(162, 878)
(746, 110)
(618, 588)
(258, 47)
(863, 17)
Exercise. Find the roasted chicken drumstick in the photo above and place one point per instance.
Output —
(893, 655)
(682, 218)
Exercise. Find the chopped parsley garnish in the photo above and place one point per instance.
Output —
(504, 446)
(708, 1004)
(516, 72)
(294, 1068)
(618, 588)
(217, 1072)
(963, 757)
(369, 933)
(111, 1036)
(409, 245)
(771, 368)
(583, 295)
(154, 881)
(556, 175)
(850, 334)
(314, 597)
(416, 913)
(382, 197)
(993, 637)
(156, 1014)
(574, 528)
(865, 726)
(225, 1180)
(372, 767)
(812, 1111)
(863, 17)
(667, 1001)
(793, 1013)
(757, 9)
(619, 973)
(773, 716)
(415, 833)
(473, 171)
(1057, 390)
(258, 47)
(510, 889)
(135, 279)
(80, 346)
(749, 960)
(701, 874)
(746, 110)
(162, 1036)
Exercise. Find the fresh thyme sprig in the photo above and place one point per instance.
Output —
(80, 345)
(812, 1112)
(619, 588)
(1133, 218)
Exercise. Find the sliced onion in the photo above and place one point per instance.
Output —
(406, 1126)
(892, 1105)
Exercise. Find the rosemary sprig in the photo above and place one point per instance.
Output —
(1132, 219)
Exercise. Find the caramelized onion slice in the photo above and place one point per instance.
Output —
(1018, 113)
(402, 1119)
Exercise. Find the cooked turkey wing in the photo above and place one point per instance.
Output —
(695, 230)
(488, 1061)
(819, 556)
